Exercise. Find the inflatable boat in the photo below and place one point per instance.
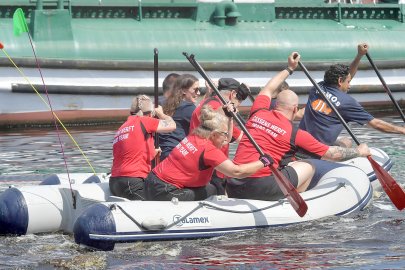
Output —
(86, 208)
(102, 225)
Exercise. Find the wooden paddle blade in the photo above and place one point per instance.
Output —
(390, 186)
(289, 191)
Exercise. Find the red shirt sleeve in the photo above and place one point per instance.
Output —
(214, 156)
(151, 124)
(307, 142)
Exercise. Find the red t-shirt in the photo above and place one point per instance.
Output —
(184, 166)
(272, 132)
(215, 103)
(132, 153)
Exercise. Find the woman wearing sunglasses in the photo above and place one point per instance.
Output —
(180, 105)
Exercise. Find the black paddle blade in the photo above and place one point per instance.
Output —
(289, 191)
(390, 186)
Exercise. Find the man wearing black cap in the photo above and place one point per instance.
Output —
(234, 92)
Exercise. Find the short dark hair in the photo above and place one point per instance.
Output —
(169, 81)
(335, 72)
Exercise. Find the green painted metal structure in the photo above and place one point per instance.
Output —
(226, 35)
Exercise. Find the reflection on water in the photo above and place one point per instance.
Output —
(372, 239)
(39, 151)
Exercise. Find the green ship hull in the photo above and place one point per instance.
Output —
(248, 40)
(123, 34)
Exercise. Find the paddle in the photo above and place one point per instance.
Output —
(196, 66)
(386, 87)
(286, 187)
(156, 96)
(390, 186)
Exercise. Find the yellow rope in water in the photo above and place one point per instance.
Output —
(57, 118)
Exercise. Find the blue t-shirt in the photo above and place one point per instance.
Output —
(182, 117)
(322, 122)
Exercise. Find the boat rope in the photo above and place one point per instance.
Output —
(280, 202)
(112, 207)
(53, 113)
(183, 217)
(207, 204)
(340, 185)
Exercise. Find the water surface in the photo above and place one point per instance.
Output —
(372, 239)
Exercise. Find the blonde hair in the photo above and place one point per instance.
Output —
(141, 104)
(210, 120)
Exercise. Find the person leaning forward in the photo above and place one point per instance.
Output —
(186, 173)
(274, 131)
(133, 148)
(321, 121)
(234, 92)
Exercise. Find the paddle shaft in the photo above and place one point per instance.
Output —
(295, 199)
(386, 87)
(156, 76)
(210, 82)
(234, 115)
(156, 96)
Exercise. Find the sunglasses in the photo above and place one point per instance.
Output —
(225, 133)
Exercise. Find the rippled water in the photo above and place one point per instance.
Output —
(373, 239)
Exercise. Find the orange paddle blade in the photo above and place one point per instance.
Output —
(289, 191)
(390, 186)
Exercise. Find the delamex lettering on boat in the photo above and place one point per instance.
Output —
(192, 221)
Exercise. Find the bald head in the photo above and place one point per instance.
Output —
(287, 103)
(287, 99)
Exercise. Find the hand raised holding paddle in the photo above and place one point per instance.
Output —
(285, 185)
(390, 186)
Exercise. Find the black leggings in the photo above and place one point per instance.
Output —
(131, 188)
(158, 190)
(263, 188)
(219, 183)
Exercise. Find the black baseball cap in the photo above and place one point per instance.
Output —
(242, 91)
(228, 84)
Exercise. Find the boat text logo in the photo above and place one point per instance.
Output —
(192, 221)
